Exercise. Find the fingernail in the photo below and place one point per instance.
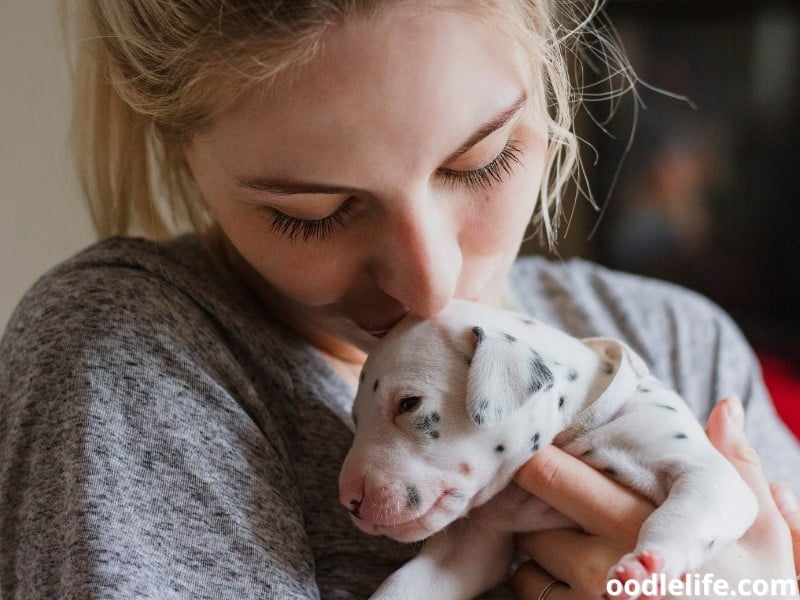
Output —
(735, 412)
(784, 498)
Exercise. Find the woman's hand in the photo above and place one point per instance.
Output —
(611, 516)
(790, 510)
(766, 551)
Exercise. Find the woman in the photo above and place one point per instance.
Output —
(175, 414)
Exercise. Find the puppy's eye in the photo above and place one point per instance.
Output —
(409, 404)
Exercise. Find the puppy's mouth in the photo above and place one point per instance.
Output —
(419, 527)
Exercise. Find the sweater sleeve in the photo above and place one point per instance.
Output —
(740, 372)
(135, 459)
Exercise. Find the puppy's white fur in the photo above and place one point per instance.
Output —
(448, 409)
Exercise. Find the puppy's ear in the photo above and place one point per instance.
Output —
(504, 374)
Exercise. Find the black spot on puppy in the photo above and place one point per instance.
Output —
(479, 416)
(572, 375)
(535, 442)
(527, 321)
(680, 436)
(500, 448)
(509, 337)
(643, 389)
(426, 424)
(413, 498)
(608, 368)
(422, 423)
(667, 407)
(710, 545)
(541, 377)
(479, 334)
(561, 401)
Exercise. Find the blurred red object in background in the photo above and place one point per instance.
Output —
(783, 384)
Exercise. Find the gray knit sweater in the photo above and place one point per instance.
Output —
(161, 437)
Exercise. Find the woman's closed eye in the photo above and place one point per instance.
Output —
(489, 174)
(294, 228)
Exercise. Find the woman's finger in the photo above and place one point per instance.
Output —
(530, 580)
(598, 504)
(581, 560)
(790, 511)
(772, 528)
(725, 429)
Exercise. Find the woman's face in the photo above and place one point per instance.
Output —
(396, 171)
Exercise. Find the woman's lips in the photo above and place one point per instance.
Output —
(379, 332)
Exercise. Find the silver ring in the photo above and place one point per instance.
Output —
(548, 588)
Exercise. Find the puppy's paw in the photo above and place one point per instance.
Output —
(636, 567)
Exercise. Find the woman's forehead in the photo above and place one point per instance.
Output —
(408, 79)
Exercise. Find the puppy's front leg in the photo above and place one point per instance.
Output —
(458, 563)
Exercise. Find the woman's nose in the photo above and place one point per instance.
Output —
(420, 260)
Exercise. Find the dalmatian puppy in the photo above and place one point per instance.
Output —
(448, 409)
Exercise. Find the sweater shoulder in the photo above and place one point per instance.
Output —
(113, 285)
(687, 340)
(128, 300)
(591, 299)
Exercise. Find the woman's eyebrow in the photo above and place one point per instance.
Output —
(287, 187)
(489, 128)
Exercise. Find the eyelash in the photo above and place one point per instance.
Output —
(292, 227)
(484, 177)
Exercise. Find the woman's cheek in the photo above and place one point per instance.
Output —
(312, 273)
(305, 272)
(504, 213)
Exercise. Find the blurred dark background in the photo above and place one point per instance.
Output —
(709, 194)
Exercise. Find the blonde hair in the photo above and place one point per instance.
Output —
(150, 74)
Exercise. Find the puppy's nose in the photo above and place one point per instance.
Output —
(355, 508)
(352, 489)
